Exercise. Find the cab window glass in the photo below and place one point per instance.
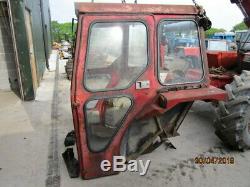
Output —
(117, 55)
(103, 119)
(179, 52)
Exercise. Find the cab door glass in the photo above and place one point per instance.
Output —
(103, 119)
(117, 55)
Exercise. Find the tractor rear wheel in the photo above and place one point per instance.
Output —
(233, 120)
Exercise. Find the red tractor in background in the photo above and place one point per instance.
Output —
(133, 83)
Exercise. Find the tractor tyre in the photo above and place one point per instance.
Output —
(233, 117)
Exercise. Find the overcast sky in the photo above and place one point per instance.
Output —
(222, 13)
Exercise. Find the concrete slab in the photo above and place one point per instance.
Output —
(24, 136)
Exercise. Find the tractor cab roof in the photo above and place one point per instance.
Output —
(119, 8)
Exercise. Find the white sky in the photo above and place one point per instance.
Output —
(222, 13)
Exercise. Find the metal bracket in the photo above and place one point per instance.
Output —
(71, 162)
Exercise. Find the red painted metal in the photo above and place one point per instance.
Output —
(208, 94)
(226, 59)
(145, 101)
(220, 81)
(89, 161)
(101, 8)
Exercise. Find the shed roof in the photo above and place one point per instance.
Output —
(134, 8)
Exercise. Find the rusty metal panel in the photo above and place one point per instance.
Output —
(135, 8)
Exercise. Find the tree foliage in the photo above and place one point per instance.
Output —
(62, 31)
(212, 31)
(240, 26)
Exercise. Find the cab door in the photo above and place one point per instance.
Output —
(113, 80)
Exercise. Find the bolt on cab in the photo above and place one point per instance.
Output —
(137, 71)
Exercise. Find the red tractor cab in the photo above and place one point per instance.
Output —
(133, 83)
